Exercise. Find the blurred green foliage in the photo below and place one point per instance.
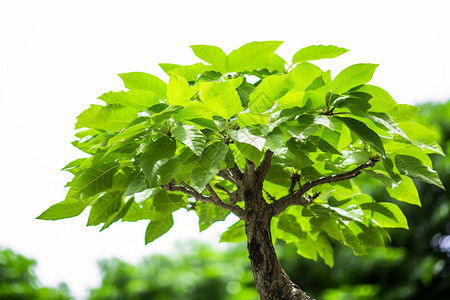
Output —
(199, 273)
(18, 281)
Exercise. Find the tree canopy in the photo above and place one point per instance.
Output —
(249, 135)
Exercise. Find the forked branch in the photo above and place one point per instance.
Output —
(297, 197)
(213, 199)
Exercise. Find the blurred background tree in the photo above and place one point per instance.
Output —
(198, 273)
(18, 281)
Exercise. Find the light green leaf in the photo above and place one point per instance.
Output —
(387, 215)
(118, 214)
(235, 233)
(249, 152)
(128, 133)
(191, 137)
(353, 76)
(104, 207)
(155, 155)
(252, 56)
(111, 118)
(139, 99)
(244, 135)
(325, 250)
(245, 119)
(65, 209)
(317, 52)
(189, 72)
(168, 170)
(413, 167)
(144, 81)
(91, 181)
(303, 75)
(212, 55)
(210, 163)
(220, 97)
(267, 92)
(158, 228)
(208, 214)
(275, 139)
(179, 92)
(406, 191)
(167, 202)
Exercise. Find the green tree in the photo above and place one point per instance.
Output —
(278, 147)
(198, 273)
(18, 281)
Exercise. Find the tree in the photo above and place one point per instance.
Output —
(18, 281)
(198, 273)
(276, 147)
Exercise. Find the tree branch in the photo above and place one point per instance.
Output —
(264, 166)
(218, 202)
(213, 199)
(296, 198)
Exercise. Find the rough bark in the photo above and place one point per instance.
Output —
(272, 282)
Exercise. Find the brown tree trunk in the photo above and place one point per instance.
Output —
(272, 282)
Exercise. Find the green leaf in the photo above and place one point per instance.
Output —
(179, 92)
(245, 119)
(210, 163)
(364, 133)
(325, 250)
(91, 181)
(252, 56)
(144, 81)
(267, 92)
(317, 52)
(157, 228)
(167, 202)
(249, 152)
(128, 133)
(303, 75)
(191, 137)
(413, 167)
(208, 214)
(64, 209)
(274, 139)
(104, 207)
(221, 98)
(139, 99)
(212, 55)
(235, 233)
(189, 72)
(111, 118)
(118, 214)
(244, 135)
(353, 76)
(406, 191)
(155, 155)
(387, 215)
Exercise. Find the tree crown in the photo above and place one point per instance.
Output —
(158, 147)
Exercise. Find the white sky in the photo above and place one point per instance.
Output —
(57, 57)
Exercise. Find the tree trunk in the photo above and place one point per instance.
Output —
(272, 282)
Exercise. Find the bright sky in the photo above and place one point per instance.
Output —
(57, 57)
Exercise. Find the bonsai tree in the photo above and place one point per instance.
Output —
(244, 134)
